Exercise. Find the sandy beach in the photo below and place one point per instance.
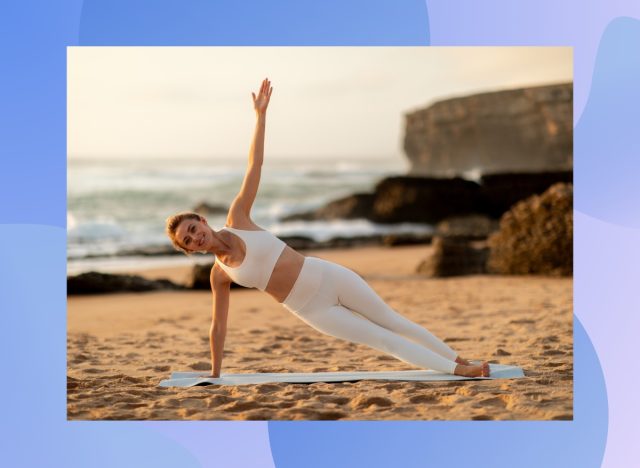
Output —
(120, 346)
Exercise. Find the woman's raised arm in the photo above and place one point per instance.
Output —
(245, 198)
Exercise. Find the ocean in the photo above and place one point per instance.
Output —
(115, 205)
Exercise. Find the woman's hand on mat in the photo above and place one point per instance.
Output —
(261, 102)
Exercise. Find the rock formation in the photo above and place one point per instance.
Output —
(470, 227)
(536, 235)
(423, 200)
(99, 283)
(430, 200)
(518, 130)
(499, 192)
(454, 257)
(354, 206)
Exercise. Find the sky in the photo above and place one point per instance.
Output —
(338, 102)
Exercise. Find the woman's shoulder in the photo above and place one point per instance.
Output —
(239, 219)
(218, 276)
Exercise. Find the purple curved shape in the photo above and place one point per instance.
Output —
(607, 143)
(229, 444)
(607, 268)
(532, 23)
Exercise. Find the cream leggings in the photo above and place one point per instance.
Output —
(336, 301)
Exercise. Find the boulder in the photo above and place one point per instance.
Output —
(210, 209)
(354, 206)
(200, 275)
(536, 235)
(499, 192)
(455, 257)
(394, 240)
(148, 251)
(473, 226)
(422, 199)
(430, 200)
(98, 283)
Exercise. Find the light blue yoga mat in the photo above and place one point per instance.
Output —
(190, 379)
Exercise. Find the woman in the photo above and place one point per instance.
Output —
(330, 298)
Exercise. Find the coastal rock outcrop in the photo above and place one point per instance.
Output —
(536, 235)
(354, 206)
(517, 130)
(430, 200)
(210, 209)
(471, 227)
(454, 257)
(422, 199)
(100, 283)
(499, 192)
(200, 275)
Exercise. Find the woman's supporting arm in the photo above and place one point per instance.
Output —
(247, 195)
(220, 287)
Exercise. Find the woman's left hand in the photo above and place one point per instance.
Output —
(261, 102)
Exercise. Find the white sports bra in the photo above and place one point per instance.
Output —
(262, 252)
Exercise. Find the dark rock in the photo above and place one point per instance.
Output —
(149, 251)
(471, 227)
(305, 243)
(393, 240)
(422, 199)
(200, 277)
(300, 242)
(429, 200)
(99, 283)
(208, 209)
(354, 206)
(499, 192)
(519, 130)
(455, 257)
(536, 235)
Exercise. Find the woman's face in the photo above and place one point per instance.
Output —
(193, 234)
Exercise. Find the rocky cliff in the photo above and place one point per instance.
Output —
(519, 130)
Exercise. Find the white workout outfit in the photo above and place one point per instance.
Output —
(336, 301)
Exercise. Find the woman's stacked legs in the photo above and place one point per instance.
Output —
(346, 307)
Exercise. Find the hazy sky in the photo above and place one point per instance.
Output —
(346, 102)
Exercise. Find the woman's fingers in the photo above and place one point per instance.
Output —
(265, 91)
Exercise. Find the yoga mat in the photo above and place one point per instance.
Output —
(191, 379)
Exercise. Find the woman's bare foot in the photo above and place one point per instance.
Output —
(472, 370)
(462, 361)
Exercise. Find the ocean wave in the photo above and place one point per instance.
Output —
(118, 205)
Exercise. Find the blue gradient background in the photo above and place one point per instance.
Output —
(606, 41)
